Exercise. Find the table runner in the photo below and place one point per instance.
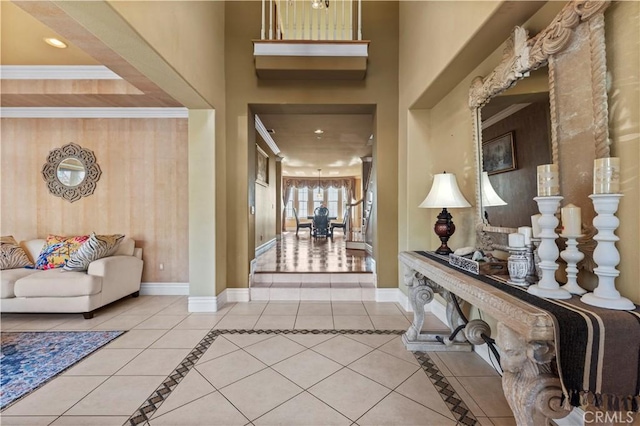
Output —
(597, 350)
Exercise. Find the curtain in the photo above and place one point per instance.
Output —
(286, 195)
(323, 183)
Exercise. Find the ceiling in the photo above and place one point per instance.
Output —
(347, 128)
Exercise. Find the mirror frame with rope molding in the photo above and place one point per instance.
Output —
(573, 47)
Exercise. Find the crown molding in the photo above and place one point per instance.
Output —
(57, 72)
(50, 112)
(510, 110)
(266, 136)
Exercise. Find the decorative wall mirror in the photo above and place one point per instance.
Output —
(71, 172)
(573, 47)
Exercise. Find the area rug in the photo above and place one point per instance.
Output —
(30, 359)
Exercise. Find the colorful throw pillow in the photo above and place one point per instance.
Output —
(57, 250)
(96, 247)
(12, 255)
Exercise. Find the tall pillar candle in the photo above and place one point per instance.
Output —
(571, 220)
(535, 226)
(548, 180)
(606, 175)
(527, 232)
(516, 240)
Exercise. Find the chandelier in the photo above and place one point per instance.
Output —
(319, 194)
(319, 4)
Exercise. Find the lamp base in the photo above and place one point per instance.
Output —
(444, 228)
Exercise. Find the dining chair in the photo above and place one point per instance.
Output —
(301, 225)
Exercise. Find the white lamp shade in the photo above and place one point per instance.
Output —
(445, 193)
(489, 196)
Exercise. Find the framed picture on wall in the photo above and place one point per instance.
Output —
(262, 167)
(499, 154)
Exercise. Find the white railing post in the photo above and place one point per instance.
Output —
(335, 23)
(295, 20)
(326, 24)
(270, 19)
(304, 18)
(359, 19)
(344, 21)
(287, 22)
(319, 15)
(262, 23)
(351, 32)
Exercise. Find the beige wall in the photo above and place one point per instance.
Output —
(142, 191)
(622, 31)
(380, 24)
(441, 139)
(190, 36)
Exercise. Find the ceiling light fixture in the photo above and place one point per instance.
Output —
(318, 131)
(319, 4)
(51, 41)
(319, 195)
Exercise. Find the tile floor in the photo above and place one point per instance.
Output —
(303, 253)
(237, 376)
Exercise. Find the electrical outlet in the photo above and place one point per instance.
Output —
(161, 266)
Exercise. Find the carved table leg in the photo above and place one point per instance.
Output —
(421, 292)
(532, 391)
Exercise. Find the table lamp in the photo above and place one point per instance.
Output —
(444, 194)
(490, 197)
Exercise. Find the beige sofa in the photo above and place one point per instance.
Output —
(55, 290)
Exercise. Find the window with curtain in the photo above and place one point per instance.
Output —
(303, 198)
(332, 201)
(288, 210)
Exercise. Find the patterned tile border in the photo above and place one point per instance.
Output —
(142, 415)
(458, 408)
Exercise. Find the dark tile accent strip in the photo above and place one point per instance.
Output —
(153, 402)
(449, 395)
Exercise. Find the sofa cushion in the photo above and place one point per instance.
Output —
(33, 248)
(96, 247)
(58, 283)
(57, 250)
(12, 255)
(126, 247)
(8, 279)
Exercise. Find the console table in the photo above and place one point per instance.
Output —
(525, 335)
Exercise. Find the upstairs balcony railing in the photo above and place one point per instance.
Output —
(311, 20)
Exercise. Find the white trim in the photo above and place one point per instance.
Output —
(510, 110)
(164, 289)
(221, 300)
(266, 136)
(316, 49)
(575, 418)
(387, 294)
(203, 304)
(237, 294)
(266, 246)
(403, 300)
(57, 72)
(51, 112)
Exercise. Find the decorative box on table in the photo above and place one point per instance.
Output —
(496, 267)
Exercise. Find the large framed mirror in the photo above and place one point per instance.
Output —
(570, 55)
(71, 172)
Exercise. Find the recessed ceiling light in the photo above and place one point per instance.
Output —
(55, 42)
(318, 131)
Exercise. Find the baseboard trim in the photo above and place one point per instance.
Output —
(203, 304)
(236, 294)
(437, 309)
(164, 289)
(266, 246)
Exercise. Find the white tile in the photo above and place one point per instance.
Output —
(229, 368)
(133, 339)
(352, 322)
(286, 284)
(89, 420)
(365, 278)
(316, 285)
(284, 294)
(275, 322)
(303, 410)
(346, 293)
(192, 387)
(345, 285)
(210, 410)
(314, 322)
(396, 409)
(342, 350)
(281, 308)
(368, 294)
(263, 278)
(348, 308)
(30, 420)
(259, 294)
(307, 368)
(104, 362)
(274, 349)
(287, 278)
(154, 362)
(160, 322)
(187, 339)
(247, 308)
(55, 397)
(315, 279)
(344, 278)
(260, 392)
(237, 322)
(383, 368)
(315, 294)
(119, 395)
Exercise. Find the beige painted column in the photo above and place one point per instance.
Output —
(202, 211)
(279, 207)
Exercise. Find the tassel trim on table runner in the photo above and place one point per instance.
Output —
(605, 402)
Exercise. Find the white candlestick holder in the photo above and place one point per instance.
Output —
(548, 250)
(606, 255)
(572, 256)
